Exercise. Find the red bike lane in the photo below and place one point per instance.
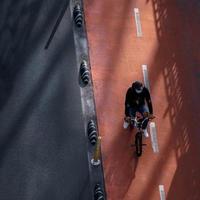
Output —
(169, 47)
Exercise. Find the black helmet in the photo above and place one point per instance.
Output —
(137, 87)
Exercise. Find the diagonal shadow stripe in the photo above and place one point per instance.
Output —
(56, 25)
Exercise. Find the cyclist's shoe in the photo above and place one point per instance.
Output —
(146, 134)
(126, 124)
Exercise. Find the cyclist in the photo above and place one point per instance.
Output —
(137, 100)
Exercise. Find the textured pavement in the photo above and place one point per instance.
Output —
(169, 46)
(43, 152)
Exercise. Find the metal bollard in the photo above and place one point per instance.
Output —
(92, 132)
(96, 157)
(98, 192)
(84, 72)
(78, 15)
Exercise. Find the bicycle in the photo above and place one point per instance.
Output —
(139, 122)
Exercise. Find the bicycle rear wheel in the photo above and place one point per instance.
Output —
(138, 143)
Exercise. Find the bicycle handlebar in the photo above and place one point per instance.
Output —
(149, 116)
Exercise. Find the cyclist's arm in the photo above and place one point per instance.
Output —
(127, 102)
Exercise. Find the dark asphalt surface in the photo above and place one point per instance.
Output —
(43, 151)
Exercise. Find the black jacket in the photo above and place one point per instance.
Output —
(136, 100)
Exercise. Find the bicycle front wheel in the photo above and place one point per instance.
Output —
(138, 143)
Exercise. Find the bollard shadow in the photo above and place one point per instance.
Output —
(61, 15)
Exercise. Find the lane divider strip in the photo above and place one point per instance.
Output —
(145, 75)
(162, 192)
(153, 133)
(154, 140)
(138, 22)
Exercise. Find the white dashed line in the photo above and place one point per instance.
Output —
(154, 140)
(145, 75)
(137, 22)
(162, 192)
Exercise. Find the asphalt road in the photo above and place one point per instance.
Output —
(43, 152)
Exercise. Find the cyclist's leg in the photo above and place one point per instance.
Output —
(132, 111)
(142, 110)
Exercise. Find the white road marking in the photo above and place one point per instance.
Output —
(154, 140)
(162, 192)
(145, 75)
(137, 22)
